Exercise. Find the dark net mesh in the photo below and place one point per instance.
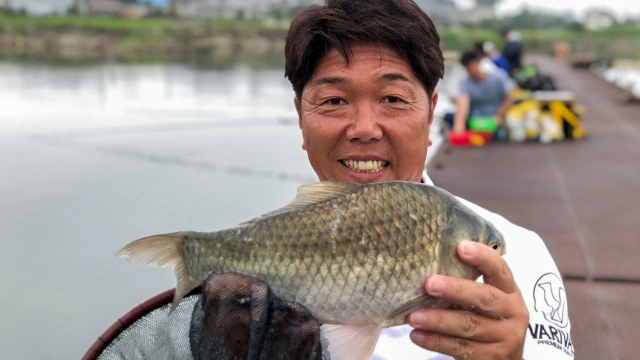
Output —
(235, 317)
(157, 335)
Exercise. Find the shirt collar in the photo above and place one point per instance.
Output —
(426, 179)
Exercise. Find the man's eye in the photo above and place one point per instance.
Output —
(392, 99)
(335, 101)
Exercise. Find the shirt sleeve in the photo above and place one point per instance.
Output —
(505, 82)
(463, 88)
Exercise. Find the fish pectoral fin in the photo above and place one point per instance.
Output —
(416, 304)
(312, 194)
(353, 342)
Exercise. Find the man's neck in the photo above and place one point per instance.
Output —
(480, 77)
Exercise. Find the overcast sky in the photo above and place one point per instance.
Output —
(620, 7)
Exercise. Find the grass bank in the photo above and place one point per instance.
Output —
(208, 43)
(618, 42)
(223, 43)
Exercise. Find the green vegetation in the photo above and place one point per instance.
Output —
(75, 39)
(540, 33)
(16, 21)
(221, 42)
(463, 39)
(527, 20)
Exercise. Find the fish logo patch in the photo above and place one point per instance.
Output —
(550, 299)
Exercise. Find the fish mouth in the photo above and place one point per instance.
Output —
(365, 166)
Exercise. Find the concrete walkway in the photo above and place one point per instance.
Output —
(582, 197)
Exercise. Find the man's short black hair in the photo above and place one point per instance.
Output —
(467, 57)
(478, 47)
(399, 25)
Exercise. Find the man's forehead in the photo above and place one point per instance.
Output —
(337, 80)
(383, 64)
(360, 52)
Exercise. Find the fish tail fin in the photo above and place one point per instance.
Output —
(163, 251)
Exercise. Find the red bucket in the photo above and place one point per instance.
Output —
(487, 136)
(469, 138)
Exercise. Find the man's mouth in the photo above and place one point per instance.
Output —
(369, 166)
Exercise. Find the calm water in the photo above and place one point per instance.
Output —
(626, 78)
(95, 157)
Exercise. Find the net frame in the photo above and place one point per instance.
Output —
(129, 318)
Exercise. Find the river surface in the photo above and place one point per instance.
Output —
(626, 78)
(95, 157)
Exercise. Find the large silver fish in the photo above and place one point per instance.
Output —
(355, 255)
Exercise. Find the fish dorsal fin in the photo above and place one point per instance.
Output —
(315, 193)
(353, 342)
(312, 194)
(420, 302)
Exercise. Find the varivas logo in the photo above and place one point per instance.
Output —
(550, 299)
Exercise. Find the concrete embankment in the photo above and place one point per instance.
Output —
(201, 46)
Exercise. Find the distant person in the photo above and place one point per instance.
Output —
(480, 94)
(490, 51)
(513, 50)
(486, 64)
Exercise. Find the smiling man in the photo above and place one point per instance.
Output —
(364, 74)
(367, 121)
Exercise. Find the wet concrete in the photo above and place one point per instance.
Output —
(581, 197)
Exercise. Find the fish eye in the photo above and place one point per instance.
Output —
(493, 241)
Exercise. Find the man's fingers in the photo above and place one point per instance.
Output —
(494, 325)
(471, 295)
(494, 269)
(460, 324)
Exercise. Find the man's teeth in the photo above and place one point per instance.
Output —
(365, 166)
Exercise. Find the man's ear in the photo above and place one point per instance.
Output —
(296, 102)
(432, 107)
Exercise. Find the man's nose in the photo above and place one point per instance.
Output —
(364, 124)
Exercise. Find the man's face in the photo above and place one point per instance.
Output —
(367, 121)
(473, 68)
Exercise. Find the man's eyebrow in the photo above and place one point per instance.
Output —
(329, 80)
(393, 77)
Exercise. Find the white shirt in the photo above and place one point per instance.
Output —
(535, 273)
(487, 65)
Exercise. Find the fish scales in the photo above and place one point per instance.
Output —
(350, 255)
(309, 266)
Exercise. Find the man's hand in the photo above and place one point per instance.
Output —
(499, 118)
(463, 105)
(490, 320)
(459, 128)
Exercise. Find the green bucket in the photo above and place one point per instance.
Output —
(483, 124)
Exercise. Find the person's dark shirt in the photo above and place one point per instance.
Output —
(513, 53)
